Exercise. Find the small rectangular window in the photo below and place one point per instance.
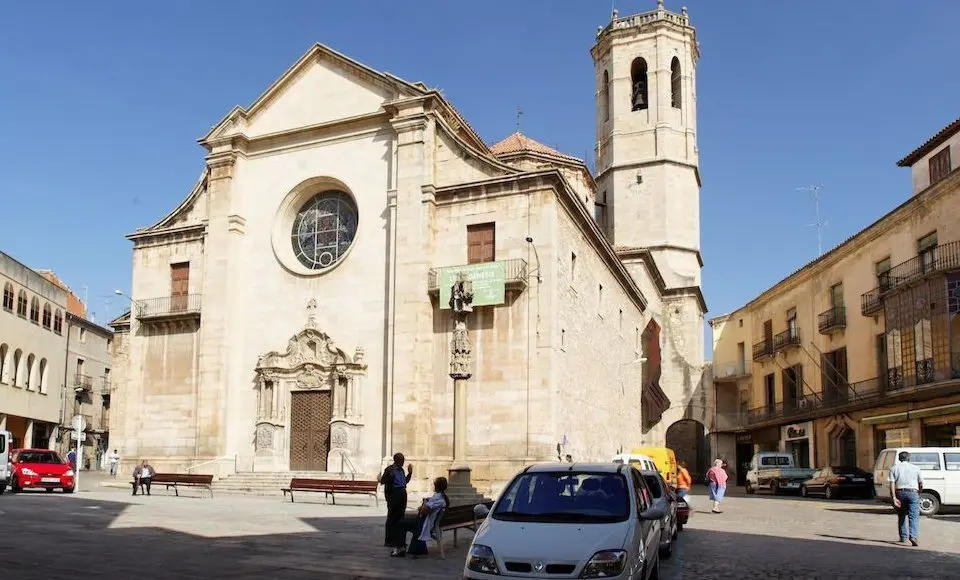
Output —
(940, 165)
(82, 334)
(836, 295)
(926, 461)
(952, 461)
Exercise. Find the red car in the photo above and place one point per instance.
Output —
(40, 469)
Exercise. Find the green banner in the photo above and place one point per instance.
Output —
(489, 281)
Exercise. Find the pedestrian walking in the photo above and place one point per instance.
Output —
(684, 481)
(718, 484)
(906, 483)
(395, 482)
(114, 460)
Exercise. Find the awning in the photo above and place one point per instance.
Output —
(653, 404)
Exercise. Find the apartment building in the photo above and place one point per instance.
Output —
(89, 355)
(859, 349)
(32, 354)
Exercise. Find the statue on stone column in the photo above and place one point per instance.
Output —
(461, 299)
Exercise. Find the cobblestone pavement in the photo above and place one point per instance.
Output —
(109, 534)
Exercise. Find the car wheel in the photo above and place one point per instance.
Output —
(828, 492)
(775, 488)
(68, 490)
(750, 489)
(929, 504)
(654, 572)
(15, 486)
(803, 491)
(676, 530)
(3, 488)
(679, 527)
(666, 552)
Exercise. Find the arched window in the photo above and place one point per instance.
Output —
(30, 380)
(605, 96)
(22, 304)
(638, 77)
(42, 376)
(676, 84)
(17, 368)
(4, 363)
(58, 322)
(47, 316)
(35, 310)
(8, 297)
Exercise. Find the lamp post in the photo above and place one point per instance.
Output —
(461, 299)
(136, 304)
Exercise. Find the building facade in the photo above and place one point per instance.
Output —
(293, 314)
(89, 363)
(860, 349)
(32, 355)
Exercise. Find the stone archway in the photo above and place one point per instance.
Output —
(688, 440)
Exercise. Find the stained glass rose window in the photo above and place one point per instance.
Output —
(323, 229)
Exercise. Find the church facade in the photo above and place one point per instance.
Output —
(293, 313)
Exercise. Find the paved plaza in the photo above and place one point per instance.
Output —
(109, 534)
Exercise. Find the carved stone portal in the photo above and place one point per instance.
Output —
(310, 362)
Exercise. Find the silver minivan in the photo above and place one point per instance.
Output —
(940, 467)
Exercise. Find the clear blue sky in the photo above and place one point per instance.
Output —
(101, 104)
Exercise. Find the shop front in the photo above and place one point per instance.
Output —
(796, 439)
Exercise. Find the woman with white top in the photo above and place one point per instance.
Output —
(426, 521)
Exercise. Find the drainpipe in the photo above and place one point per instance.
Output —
(66, 367)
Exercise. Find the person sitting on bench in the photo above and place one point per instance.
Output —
(426, 520)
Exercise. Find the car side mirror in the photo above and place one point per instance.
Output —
(480, 511)
(653, 513)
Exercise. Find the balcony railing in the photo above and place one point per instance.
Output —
(789, 338)
(515, 275)
(763, 349)
(833, 319)
(180, 306)
(926, 375)
(105, 420)
(104, 386)
(82, 382)
(731, 371)
(870, 302)
(942, 258)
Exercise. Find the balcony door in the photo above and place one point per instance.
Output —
(179, 286)
(768, 334)
(481, 243)
(834, 375)
(792, 379)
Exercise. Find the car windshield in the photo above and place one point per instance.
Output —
(566, 496)
(653, 482)
(774, 461)
(38, 457)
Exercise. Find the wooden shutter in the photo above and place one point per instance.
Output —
(481, 243)
(179, 285)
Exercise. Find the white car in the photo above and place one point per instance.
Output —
(940, 467)
(562, 520)
(5, 467)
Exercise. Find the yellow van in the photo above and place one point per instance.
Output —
(665, 459)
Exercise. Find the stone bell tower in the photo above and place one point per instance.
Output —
(647, 165)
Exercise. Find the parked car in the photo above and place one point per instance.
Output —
(666, 461)
(940, 467)
(838, 481)
(664, 497)
(636, 460)
(683, 513)
(777, 472)
(40, 469)
(5, 467)
(572, 521)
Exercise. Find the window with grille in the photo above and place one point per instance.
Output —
(927, 251)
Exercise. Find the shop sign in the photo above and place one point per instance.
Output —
(795, 432)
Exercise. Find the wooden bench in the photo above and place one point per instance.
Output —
(460, 516)
(176, 480)
(331, 487)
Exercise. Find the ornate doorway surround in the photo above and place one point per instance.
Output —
(310, 363)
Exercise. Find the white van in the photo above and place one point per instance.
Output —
(641, 462)
(940, 467)
(6, 438)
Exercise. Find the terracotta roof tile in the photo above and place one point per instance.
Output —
(520, 143)
(931, 144)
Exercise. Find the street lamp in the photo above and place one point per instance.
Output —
(135, 303)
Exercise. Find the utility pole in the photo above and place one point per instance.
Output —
(819, 224)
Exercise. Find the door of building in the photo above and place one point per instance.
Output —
(310, 413)
(179, 286)
(744, 456)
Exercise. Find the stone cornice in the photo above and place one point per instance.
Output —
(647, 162)
(645, 257)
(191, 232)
(869, 234)
(523, 183)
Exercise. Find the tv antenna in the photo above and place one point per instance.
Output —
(519, 114)
(819, 224)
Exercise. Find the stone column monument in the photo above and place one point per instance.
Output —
(461, 491)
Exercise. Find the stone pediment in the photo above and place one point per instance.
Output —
(311, 351)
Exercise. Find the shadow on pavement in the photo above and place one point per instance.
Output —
(729, 554)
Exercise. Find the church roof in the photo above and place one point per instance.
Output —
(519, 143)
